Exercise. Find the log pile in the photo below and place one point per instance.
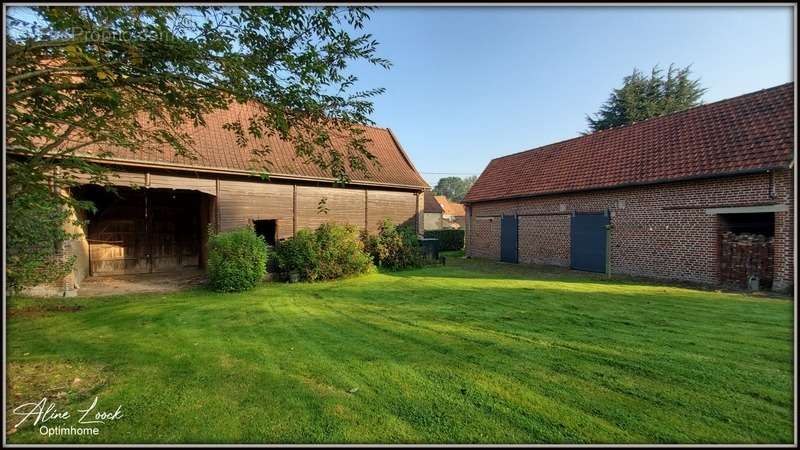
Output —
(743, 256)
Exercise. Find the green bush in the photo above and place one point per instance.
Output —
(448, 239)
(394, 247)
(297, 254)
(34, 233)
(237, 260)
(272, 259)
(331, 251)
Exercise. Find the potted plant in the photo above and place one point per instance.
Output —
(294, 276)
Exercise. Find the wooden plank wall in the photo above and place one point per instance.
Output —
(343, 206)
(239, 202)
(401, 207)
(154, 180)
(207, 185)
(117, 178)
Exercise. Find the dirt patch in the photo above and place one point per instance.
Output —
(141, 283)
(40, 310)
(319, 387)
(60, 382)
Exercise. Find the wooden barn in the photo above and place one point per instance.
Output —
(157, 219)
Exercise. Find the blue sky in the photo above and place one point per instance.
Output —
(472, 83)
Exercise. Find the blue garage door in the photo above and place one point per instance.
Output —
(508, 239)
(588, 236)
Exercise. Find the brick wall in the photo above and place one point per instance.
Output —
(661, 231)
(783, 244)
(544, 239)
(78, 247)
(484, 237)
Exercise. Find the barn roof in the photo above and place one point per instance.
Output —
(747, 133)
(432, 205)
(216, 150)
(450, 208)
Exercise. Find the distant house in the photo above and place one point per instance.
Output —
(454, 214)
(441, 213)
(703, 195)
(160, 218)
(432, 212)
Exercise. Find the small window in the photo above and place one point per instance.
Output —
(268, 229)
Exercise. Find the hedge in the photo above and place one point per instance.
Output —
(394, 247)
(448, 239)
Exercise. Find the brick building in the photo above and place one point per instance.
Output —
(158, 219)
(653, 198)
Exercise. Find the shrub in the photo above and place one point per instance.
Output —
(298, 253)
(237, 260)
(331, 251)
(341, 252)
(448, 239)
(394, 247)
(34, 232)
(272, 259)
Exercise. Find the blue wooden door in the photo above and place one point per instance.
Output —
(508, 239)
(588, 242)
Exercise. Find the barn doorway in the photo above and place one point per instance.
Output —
(746, 250)
(268, 229)
(136, 231)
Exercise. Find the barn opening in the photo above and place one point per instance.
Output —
(746, 250)
(145, 230)
(268, 229)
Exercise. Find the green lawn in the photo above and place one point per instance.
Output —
(470, 352)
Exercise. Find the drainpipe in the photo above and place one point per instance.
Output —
(608, 251)
(467, 228)
(608, 227)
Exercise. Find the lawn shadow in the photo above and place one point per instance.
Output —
(488, 269)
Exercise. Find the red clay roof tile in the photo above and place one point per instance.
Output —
(216, 148)
(431, 205)
(749, 132)
(450, 208)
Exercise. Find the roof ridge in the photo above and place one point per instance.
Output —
(633, 124)
(404, 154)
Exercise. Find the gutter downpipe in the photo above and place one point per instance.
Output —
(608, 251)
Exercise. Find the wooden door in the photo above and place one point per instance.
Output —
(145, 232)
(118, 238)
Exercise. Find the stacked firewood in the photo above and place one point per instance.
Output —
(744, 256)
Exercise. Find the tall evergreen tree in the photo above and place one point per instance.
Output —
(642, 97)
